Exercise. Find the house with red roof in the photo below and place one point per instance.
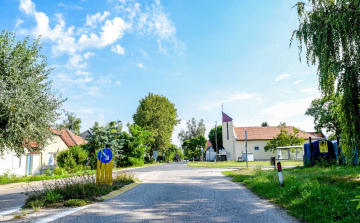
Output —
(38, 159)
(257, 138)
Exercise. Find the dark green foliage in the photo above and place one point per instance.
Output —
(194, 145)
(314, 194)
(285, 138)
(264, 124)
(109, 136)
(158, 115)
(71, 123)
(73, 159)
(28, 105)
(330, 31)
(59, 171)
(194, 129)
(219, 138)
(323, 112)
(75, 203)
(48, 172)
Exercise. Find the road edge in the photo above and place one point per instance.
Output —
(122, 190)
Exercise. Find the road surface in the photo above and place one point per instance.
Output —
(176, 193)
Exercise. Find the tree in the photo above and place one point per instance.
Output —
(323, 112)
(71, 122)
(264, 124)
(332, 137)
(28, 105)
(285, 138)
(158, 115)
(194, 145)
(219, 138)
(105, 137)
(136, 145)
(330, 31)
(194, 129)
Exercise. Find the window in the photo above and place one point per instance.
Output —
(256, 148)
(227, 129)
(51, 159)
(16, 162)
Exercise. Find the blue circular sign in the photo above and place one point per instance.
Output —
(105, 155)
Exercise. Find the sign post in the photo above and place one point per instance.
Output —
(246, 149)
(104, 167)
(281, 180)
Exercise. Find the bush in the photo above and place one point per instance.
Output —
(75, 203)
(73, 159)
(59, 171)
(48, 172)
(136, 161)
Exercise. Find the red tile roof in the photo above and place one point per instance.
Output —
(208, 144)
(69, 138)
(265, 133)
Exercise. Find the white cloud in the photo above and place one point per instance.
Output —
(18, 23)
(65, 80)
(282, 76)
(237, 96)
(296, 82)
(160, 47)
(118, 83)
(143, 53)
(91, 20)
(140, 65)
(80, 72)
(101, 116)
(93, 90)
(88, 54)
(118, 49)
(102, 80)
(70, 6)
(27, 6)
(75, 61)
(157, 2)
(309, 90)
(288, 109)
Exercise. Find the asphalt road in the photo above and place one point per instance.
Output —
(175, 193)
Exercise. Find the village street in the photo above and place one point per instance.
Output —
(169, 193)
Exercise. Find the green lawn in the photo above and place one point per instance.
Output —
(9, 178)
(242, 163)
(312, 194)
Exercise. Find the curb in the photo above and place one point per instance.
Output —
(119, 191)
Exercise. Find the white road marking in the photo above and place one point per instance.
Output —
(63, 214)
(9, 211)
(142, 176)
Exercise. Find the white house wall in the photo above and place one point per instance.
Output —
(10, 163)
(52, 148)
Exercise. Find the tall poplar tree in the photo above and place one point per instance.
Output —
(28, 105)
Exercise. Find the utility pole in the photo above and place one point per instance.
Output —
(246, 149)
(217, 150)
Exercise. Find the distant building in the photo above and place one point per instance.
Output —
(257, 137)
(86, 133)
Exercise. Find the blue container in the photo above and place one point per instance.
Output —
(343, 160)
(329, 153)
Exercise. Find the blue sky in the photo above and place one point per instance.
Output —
(107, 55)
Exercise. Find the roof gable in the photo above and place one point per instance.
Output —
(265, 133)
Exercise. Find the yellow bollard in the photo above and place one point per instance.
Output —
(98, 172)
(110, 175)
(102, 177)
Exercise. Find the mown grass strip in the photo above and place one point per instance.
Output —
(311, 194)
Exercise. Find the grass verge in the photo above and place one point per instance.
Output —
(8, 178)
(243, 163)
(76, 191)
(311, 194)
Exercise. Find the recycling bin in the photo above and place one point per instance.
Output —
(321, 149)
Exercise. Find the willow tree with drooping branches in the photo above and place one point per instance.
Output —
(330, 32)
